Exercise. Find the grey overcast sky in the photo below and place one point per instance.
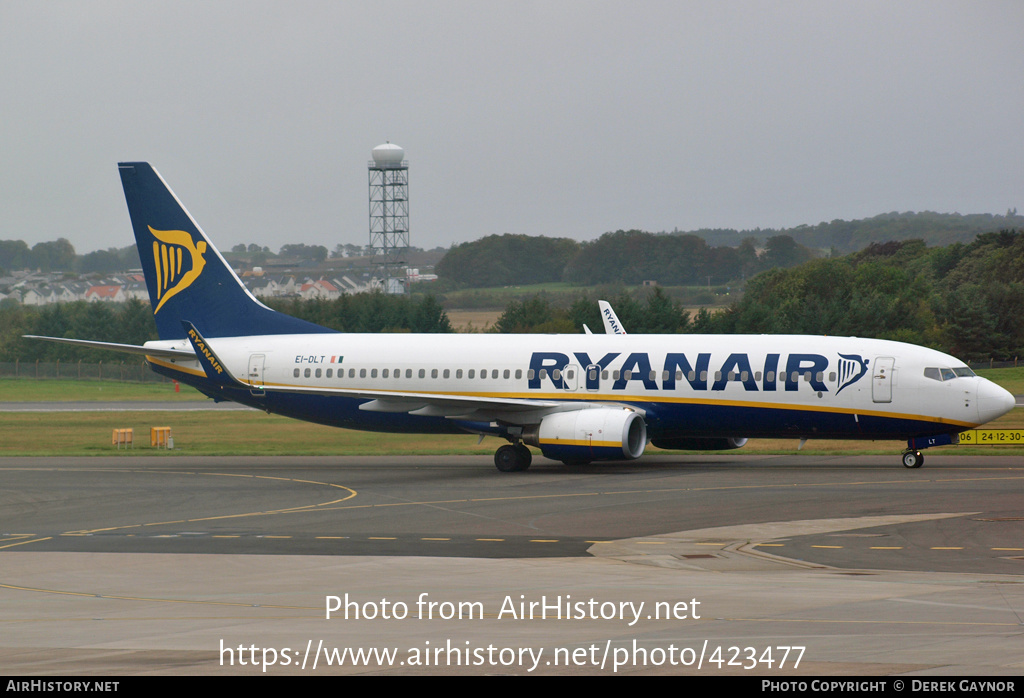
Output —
(559, 118)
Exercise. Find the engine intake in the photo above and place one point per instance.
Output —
(597, 433)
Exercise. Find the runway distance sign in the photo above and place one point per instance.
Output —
(992, 437)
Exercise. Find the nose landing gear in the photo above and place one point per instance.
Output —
(912, 459)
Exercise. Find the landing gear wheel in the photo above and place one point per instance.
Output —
(912, 459)
(510, 459)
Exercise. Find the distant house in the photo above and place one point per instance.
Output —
(262, 286)
(68, 292)
(39, 296)
(107, 294)
(137, 290)
(321, 288)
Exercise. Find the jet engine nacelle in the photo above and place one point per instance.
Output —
(598, 433)
(690, 443)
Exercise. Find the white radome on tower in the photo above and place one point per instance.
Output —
(388, 155)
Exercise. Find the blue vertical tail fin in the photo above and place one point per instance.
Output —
(187, 278)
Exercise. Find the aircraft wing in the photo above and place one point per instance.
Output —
(472, 407)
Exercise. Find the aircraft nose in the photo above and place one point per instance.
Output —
(993, 401)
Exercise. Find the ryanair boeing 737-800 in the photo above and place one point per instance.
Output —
(578, 398)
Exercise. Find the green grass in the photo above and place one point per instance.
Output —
(210, 434)
(1010, 378)
(30, 390)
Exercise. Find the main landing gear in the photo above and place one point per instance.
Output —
(513, 458)
(912, 459)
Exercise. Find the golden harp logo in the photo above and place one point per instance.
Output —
(173, 275)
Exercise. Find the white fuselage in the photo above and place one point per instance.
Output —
(738, 385)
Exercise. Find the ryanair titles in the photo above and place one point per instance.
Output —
(200, 345)
(769, 374)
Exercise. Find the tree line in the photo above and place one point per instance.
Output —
(966, 299)
(963, 299)
(132, 322)
(622, 257)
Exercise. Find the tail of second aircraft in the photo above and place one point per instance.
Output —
(187, 278)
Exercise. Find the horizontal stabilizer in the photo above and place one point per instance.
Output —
(123, 348)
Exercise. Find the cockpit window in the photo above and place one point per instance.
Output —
(947, 374)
